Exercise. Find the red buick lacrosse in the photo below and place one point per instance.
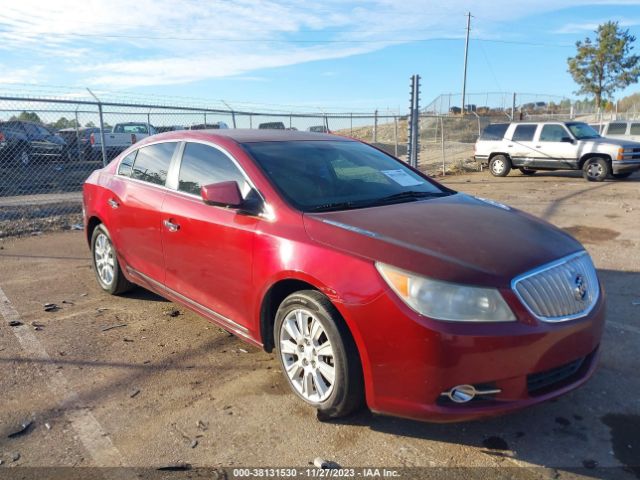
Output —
(373, 283)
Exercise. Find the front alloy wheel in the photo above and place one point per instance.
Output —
(307, 355)
(318, 355)
(595, 169)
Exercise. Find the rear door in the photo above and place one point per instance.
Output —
(209, 250)
(521, 148)
(138, 191)
(555, 147)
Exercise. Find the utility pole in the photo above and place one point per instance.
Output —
(466, 53)
(413, 122)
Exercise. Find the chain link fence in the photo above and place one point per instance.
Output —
(49, 146)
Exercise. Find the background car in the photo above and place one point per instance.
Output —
(209, 126)
(271, 126)
(532, 146)
(27, 142)
(78, 142)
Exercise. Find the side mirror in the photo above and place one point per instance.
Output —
(223, 194)
(567, 140)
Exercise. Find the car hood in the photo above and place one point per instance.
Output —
(457, 238)
(619, 142)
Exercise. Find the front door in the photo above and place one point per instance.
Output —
(209, 250)
(556, 148)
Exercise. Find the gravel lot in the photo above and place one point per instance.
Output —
(162, 388)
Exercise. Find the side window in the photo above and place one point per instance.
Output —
(31, 129)
(126, 164)
(495, 131)
(617, 129)
(553, 133)
(43, 131)
(635, 129)
(203, 165)
(152, 163)
(524, 133)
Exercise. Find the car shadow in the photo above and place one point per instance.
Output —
(590, 427)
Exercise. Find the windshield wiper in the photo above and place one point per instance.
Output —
(408, 195)
(328, 207)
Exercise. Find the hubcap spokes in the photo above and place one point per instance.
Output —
(498, 166)
(103, 254)
(594, 170)
(307, 355)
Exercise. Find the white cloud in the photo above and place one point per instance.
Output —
(586, 27)
(31, 75)
(119, 44)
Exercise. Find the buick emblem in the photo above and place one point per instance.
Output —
(579, 287)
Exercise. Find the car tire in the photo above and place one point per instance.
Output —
(105, 263)
(318, 355)
(595, 169)
(526, 171)
(24, 157)
(499, 166)
(621, 176)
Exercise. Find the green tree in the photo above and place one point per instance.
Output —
(90, 124)
(25, 116)
(605, 64)
(63, 122)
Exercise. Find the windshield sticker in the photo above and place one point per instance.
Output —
(402, 178)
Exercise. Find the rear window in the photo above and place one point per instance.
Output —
(524, 133)
(494, 132)
(617, 129)
(152, 163)
(136, 128)
(635, 129)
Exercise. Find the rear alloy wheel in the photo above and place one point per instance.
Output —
(499, 166)
(105, 263)
(526, 171)
(24, 157)
(595, 169)
(621, 176)
(318, 355)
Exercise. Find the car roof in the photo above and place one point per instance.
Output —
(249, 135)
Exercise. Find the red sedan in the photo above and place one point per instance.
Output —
(372, 282)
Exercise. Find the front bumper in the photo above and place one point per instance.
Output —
(623, 166)
(409, 360)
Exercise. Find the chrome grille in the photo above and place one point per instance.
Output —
(562, 290)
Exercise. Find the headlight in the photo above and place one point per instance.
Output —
(446, 301)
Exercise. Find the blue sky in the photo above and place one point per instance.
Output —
(333, 54)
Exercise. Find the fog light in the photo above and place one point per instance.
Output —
(465, 393)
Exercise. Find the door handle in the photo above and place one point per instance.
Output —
(112, 203)
(172, 227)
(509, 146)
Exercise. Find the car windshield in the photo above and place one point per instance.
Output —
(582, 131)
(317, 176)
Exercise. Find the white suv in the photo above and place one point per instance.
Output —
(531, 146)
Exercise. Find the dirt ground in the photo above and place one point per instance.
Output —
(161, 390)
